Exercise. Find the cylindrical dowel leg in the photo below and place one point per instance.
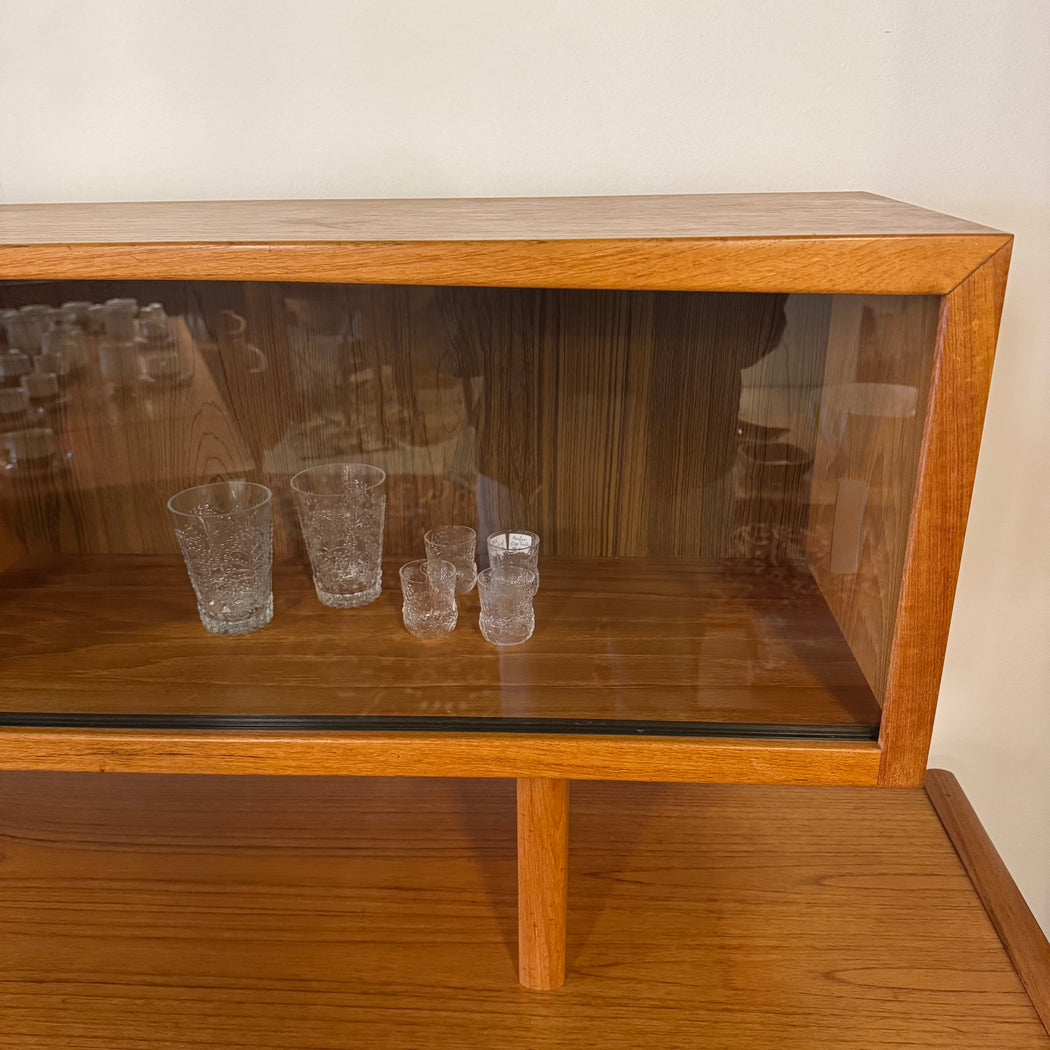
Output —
(543, 881)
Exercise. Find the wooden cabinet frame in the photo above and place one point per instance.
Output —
(817, 243)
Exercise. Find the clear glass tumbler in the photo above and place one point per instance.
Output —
(515, 547)
(225, 531)
(429, 590)
(459, 545)
(342, 507)
(507, 617)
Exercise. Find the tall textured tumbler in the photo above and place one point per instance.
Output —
(342, 507)
(225, 531)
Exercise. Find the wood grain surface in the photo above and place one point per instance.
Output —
(715, 215)
(605, 421)
(559, 756)
(906, 265)
(227, 913)
(615, 639)
(846, 242)
(969, 326)
(1025, 942)
(878, 365)
(543, 882)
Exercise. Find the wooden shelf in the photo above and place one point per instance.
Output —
(184, 913)
(632, 639)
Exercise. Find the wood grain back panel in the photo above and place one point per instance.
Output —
(606, 421)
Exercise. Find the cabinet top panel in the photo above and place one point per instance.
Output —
(764, 242)
(728, 215)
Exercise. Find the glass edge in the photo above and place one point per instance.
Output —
(439, 724)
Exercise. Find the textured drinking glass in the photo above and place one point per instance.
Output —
(341, 508)
(459, 545)
(506, 604)
(517, 548)
(225, 531)
(429, 590)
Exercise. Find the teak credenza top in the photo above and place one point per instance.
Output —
(785, 242)
(633, 393)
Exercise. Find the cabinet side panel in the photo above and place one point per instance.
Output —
(948, 462)
(876, 385)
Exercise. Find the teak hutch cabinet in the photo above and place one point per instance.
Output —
(745, 427)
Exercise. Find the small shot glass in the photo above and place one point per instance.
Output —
(457, 544)
(429, 590)
(516, 548)
(506, 592)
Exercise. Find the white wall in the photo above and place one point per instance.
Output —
(945, 104)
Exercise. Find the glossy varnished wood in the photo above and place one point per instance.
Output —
(643, 639)
(732, 242)
(543, 881)
(193, 913)
(557, 756)
(848, 243)
(1025, 942)
(969, 326)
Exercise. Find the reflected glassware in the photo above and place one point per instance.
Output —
(162, 367)
(507, 616)
(515, 547)
(26, 327)
(153, 324)
(42, 389)
(459, 545)
(14, 408)
(13, 365)
(31, 449)
(46, 397)
(12, 328)
(120, 317)
(225, 531)
(78, 310)
(429, 590)
(120, 362)
(342, 508)
(67, 343)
